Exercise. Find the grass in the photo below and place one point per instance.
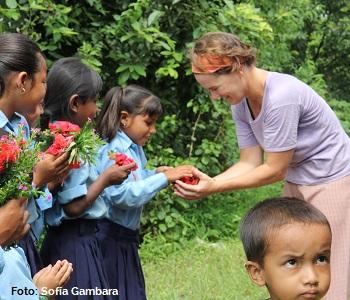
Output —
(211, 265)
(201, 271)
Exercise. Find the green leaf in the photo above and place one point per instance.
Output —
(164, 45)
(161, 215)
(123, 78)
(136, 26)
(11, 3)
(154, 16)
(162, 227)
(122, 68)
(10, 13)
(140, 70)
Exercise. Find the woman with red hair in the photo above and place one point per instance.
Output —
(285, 131)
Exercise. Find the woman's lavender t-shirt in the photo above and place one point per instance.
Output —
(294, 116)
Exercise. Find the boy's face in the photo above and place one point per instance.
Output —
(296, 264)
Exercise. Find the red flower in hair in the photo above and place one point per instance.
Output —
(190, 180)
(122, 159)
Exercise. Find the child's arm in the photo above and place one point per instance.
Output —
(113, 175)
(52, 277)
(13, 221)
(131, 194)
(163, 169)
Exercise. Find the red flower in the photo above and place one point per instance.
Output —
(122, 159)
(9, 151)
(190, 180)
(60, 144)
(74, 165)
(64, 127)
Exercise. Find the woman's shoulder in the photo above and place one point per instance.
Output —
(283, 89)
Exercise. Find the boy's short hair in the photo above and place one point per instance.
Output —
(272, 214)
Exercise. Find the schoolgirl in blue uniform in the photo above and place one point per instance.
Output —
(29, 96)
(127, 121)
(29, 242)
(71, 96)
(22, 88)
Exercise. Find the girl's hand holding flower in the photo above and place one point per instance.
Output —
(163, 169)
(178, 172)
(116, 174)
(122, 159)
(50, 168)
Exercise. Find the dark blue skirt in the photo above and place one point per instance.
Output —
(75, 240)
(31, 252)
(121, 260)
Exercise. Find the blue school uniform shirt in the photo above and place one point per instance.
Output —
(74, 186)
(15, 277)
(125, 201)
(35, 208)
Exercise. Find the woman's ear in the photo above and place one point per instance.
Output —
(255, 272)
(74, 103)
(22, 82)
(241, 69)
(124, 119)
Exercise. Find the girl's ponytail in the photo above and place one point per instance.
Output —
(133, 99)
(108, 121)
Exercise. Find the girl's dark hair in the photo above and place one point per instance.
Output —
(133, 99)
(68, 76)
(18, 53)
(271, 214)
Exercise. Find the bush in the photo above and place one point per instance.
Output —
(146, 42)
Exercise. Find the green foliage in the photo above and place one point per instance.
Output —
(85, 145)
(147, 42)
(342, 109)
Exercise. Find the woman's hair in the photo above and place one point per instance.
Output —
(18, 53)
(222, 45)
(133, 99)
(67, 77)
(271, 214)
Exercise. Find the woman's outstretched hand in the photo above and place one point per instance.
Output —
(203, 189)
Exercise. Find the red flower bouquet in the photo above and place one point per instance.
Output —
(9, 150)
(60, 144)
(81, 143)
(17, 160)
(121, 159)
(190, 180)
(64, 128)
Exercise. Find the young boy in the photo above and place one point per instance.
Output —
(287, 242)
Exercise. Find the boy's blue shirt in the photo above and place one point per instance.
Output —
(125, 201)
